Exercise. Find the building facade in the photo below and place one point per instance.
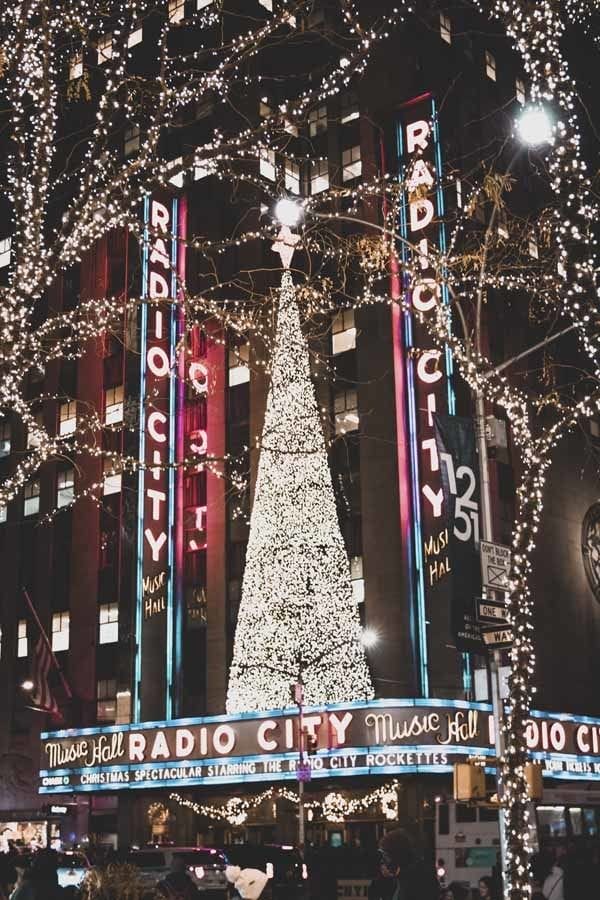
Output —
(138, 583)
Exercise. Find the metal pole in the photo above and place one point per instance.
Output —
(495, 658)
(299, 691)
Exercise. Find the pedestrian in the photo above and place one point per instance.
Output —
(403, 876)
(455, 891)
(487, 888)
(24, 888)
(178, 885)
(554, 886)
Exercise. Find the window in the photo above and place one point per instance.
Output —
(105, 48)
(5, 245)
(349, 107)
(3, 512)
(132, 140)
(32, 440)
(490, 65)
(202, 4)
(351, 163)
(67, 418)
(106, 702)
(22, 638)
(317, 121)
(112, 478)
(204, 169)
(520, 91)
(65, 487)
(459, 193)
(445, 28)
(533, 247)
(135, 37)
(345, 406)
(4, 438)
(60, 631)
(31, 498)
(108, 616)
(319, 176)
(358, 582)
(239, 371)
(502, 227)
(176, 180)
(292, 176)
(176, 10)
(267, 164)
(76, 66)
(268, 4)
(343, 331)
(113, 405)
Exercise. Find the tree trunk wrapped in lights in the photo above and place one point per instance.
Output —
(297, 617)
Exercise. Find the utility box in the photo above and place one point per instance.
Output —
(469, 782)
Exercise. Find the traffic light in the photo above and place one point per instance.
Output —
(311, 743)
(469, 782)
(535, 781)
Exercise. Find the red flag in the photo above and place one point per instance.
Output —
(41, 694)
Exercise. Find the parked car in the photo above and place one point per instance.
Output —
(205, 865)
(288, 874)
(72, 867)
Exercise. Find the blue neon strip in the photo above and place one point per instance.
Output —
(382, 703)
(141, 471)
(171, 478)
(419, 615)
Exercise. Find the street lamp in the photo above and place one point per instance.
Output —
(534, 126)
(288, 212)
(369, 638)
(27, 685)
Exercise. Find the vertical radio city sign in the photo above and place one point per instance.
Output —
(428, 373)
(155, 569)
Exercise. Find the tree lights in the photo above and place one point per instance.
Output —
(297, 619)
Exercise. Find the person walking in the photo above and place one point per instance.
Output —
(178, 885)
(403, 876)
(554, 883)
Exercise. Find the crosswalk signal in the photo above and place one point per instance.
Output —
(469, 782)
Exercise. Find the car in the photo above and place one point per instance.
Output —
(288, 873)
(205, 865)
(72, 867)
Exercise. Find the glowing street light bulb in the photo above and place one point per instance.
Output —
(27, 685)
(534, 126)
(369, 638)
(288, 212)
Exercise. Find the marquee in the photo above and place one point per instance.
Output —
(370, 738)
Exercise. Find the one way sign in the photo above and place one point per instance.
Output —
(497, 638)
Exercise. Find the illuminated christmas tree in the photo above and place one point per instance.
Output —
(297, 616)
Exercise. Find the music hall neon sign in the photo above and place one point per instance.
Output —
(428, 369)
(155, 577)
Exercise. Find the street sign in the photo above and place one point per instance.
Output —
(303, 772)
(495, 565)
(497, 638)
(491, 613)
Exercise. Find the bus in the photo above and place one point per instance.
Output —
(467, 837)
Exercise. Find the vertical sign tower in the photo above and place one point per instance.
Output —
(428, 369)
(155, 613)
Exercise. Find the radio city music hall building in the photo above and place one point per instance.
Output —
(140, 593)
